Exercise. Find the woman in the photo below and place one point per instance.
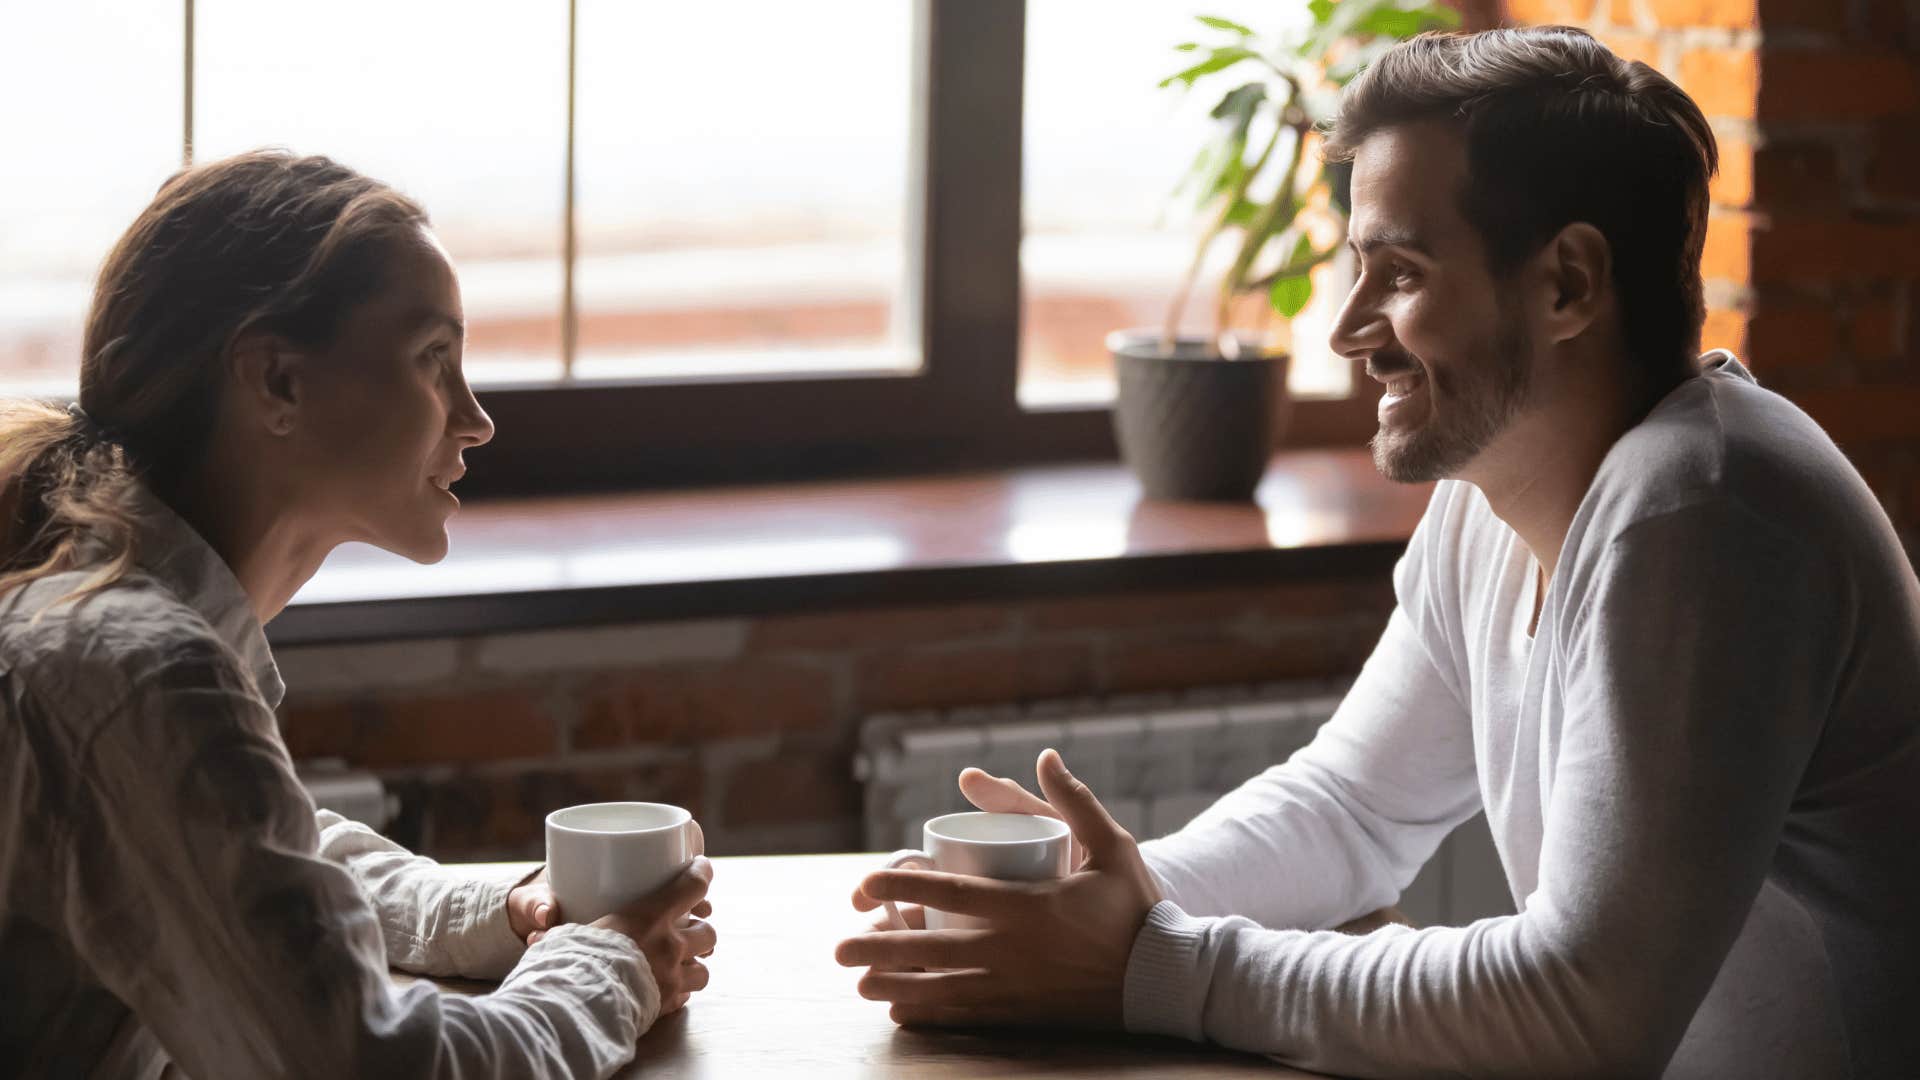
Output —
(272, 368)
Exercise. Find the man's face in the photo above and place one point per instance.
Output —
(1427, 315)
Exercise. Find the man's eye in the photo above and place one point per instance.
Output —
(1402, 274)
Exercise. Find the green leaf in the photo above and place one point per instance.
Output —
(1242, 212)
(1238, 105)
(1321, 10)
(1289, 295)
(1220, 60)
(1393, 23)
(1219, 23)
(1188, 46)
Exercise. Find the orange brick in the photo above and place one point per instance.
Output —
(1546, 12)
(425, 730)
(681, 703)
(1794, 174)
(1723, 82)
(1728, 255)
(1719, 14)
(504, 816)
(1873, 331)
(1863, 414)
(1630, 46)
(1816, 16)
(1800, 248)
(1303, 600)
(1725, 328)
(1733, 185)
(1218, 660)
(791, 788)
(888, 627)
(937, 678)
(1790, 335)
(1893, 163)
(1831, 85)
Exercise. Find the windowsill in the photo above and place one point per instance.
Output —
(525, 564)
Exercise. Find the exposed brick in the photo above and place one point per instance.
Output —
(425, 730)
(317, 671)
(1728, 253)
(1794, 174)
(1723, 82)
(589, 648)
(1831, 85)
(1732, 186)
(934, 678)
(505, 816)
(791, 788)
(1725, 328)
(1812, 16)
(1863, 414)
(679, 703)
(890, 627)
(1873, 330)
(1216, 660)
(1301, 599)
(1630, 46)
(1893, 164)
(1545, 12)
(1717, 14)
(1796, 334)
(1804, 247)
(1888, 23)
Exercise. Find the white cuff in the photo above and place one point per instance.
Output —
(1161, 995)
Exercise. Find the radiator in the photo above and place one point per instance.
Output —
(1155, 763)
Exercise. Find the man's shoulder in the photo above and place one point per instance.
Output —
(1721, 440)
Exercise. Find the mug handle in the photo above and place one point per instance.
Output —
(894, 862)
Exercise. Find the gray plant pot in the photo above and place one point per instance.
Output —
(1193, 424)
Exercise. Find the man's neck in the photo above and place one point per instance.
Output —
(1537, 472)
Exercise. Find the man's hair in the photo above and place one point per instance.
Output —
(1560, 130)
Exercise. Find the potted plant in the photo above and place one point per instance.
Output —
(1196, 413)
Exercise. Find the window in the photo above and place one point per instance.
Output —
(742, 239)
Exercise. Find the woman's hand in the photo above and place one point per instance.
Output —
(671, 933)
(530, 907)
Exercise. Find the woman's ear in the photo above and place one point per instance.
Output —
(268, 373)
(1578, 266)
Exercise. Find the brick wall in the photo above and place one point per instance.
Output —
(751, 723)
(1814, 248)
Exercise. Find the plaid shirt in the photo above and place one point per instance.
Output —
(168, 893)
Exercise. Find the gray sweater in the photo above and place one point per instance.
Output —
(1702, 774)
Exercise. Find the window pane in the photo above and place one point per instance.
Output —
(1106, 240)
(90, 127)
(459, 103)
(742, 187)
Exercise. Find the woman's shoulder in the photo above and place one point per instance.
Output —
(93, 652)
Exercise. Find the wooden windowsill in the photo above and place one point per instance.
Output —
(1037, 531)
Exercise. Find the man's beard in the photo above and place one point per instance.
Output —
(1481, 397)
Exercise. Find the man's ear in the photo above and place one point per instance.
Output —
(269, 377)
(1578, 271)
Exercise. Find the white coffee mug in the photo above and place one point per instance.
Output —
(601, 857)
(1008, 847)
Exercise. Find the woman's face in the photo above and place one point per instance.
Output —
(387, 412)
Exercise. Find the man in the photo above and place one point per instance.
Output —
(1652, 622)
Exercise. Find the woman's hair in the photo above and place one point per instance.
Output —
(1560, 130)
(265, 241)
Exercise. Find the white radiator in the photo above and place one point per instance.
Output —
(1154, 762)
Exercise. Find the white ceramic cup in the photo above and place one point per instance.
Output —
(601, 857)
(1009, 847)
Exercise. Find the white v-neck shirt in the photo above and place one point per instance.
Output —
(1702, 773)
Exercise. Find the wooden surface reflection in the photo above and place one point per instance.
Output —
(909, 540)
(779, 1005)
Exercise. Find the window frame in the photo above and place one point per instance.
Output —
(959, 410)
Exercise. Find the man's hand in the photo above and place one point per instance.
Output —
(1056, 951)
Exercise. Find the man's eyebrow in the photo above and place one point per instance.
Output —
(1389, 238)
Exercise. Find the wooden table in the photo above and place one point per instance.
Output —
(779, 1006)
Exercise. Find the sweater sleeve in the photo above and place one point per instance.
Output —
(1696, 670)
(1342, 827)
(191, 886)
(434, 920)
